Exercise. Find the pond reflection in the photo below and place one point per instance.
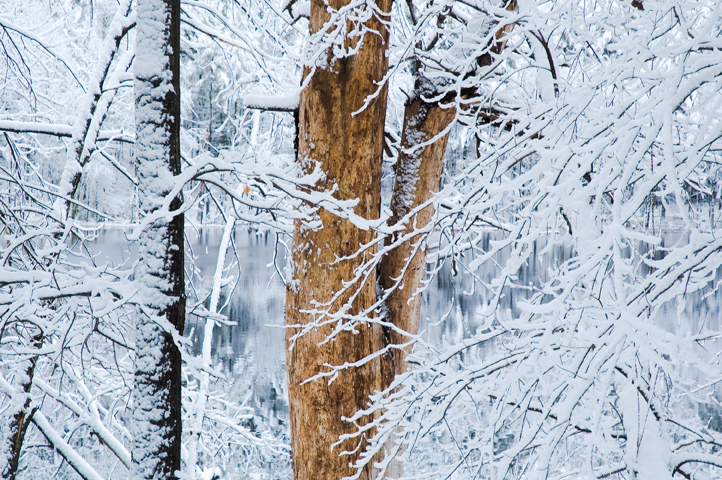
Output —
(252, 352)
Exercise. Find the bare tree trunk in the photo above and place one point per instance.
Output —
(157, 397)
(20, 420)
(418, 173)
(349, 149)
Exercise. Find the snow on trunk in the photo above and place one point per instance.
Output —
(17, 417)
(157, 400)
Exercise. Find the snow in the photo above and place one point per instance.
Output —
(57, 130)
(154, 425)
(301, 9)
(79, 464)
(557, 224)
(282, 103)
(647, 454)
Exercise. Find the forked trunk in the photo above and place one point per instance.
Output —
(325, 260)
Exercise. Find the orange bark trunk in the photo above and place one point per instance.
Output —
(417, 178)
(349, 149)
(418, 174)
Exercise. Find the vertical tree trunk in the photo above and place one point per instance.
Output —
(349, 149)
(418, 173)
(157, 398)
(20, 420)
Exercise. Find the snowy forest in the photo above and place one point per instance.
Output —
(492, 230)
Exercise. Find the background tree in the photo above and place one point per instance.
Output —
(55, 285)
(59, 309)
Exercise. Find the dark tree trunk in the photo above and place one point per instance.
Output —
(18, 426)
(157, 400)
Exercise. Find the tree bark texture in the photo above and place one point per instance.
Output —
(20, 420)
(157, 396)
(418, 173)
(349, 149)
